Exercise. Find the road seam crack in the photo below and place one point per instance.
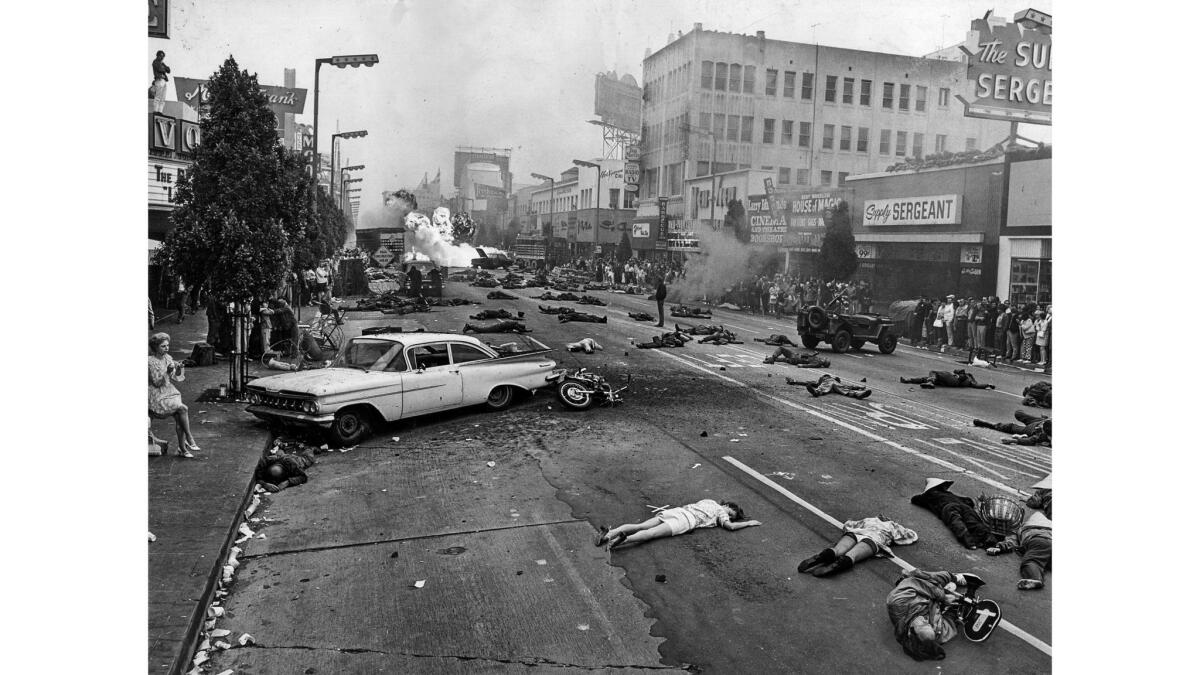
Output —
(530, 661)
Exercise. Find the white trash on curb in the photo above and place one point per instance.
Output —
(221, 632)
(695, 465)
(245, 529)
(216, 612)
(201, 657)
(419, 584)
(345, 450)
(220, 644)
(254, 504)
(152, 537)
(245, 639)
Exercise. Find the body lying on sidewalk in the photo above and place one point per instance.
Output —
(283, 470)
(797, 358)
(828, 384)
(942, 378)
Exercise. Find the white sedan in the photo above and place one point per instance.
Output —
(382, 378)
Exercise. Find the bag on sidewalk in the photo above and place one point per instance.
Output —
(202, 354)
(938, 323)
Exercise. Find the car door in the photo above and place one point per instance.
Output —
(434, 383)
(478, 372)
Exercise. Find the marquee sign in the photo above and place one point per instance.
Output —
(173, 134)
(791, 220)
(932, 210)
(194, 92)
(1010, 75)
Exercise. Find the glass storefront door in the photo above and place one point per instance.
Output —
(1029, 281)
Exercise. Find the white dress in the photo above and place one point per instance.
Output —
(165, 399)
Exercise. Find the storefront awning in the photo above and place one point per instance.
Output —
(922, 237)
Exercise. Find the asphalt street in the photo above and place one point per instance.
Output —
(511, 579)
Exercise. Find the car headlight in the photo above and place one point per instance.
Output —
(254, 398)
(310, 407)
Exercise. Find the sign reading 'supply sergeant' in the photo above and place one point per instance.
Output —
(1010, 74)
(933, 210)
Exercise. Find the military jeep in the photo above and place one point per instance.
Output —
(845, 331)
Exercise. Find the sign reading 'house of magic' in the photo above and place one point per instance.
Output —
(932, 210)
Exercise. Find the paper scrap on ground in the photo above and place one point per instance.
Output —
(152, 537)
(695, 465)
(221, 632)
(245, 639)
(419, 584)
(491, 464)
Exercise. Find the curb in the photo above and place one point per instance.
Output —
(191, 637)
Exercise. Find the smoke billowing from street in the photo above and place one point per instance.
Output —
(722, 262)
(429, 241)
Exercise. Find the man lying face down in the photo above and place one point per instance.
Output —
(486, 314)
(942, 378)
(505, 326)
(797, 358)
(581, 316)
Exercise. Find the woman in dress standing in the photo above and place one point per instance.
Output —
(165, 400)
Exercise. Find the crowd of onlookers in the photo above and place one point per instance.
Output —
(1016, 332)
(633, 272)
(781, 295)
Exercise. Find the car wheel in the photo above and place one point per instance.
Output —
(841, 341)
(857, 344)
(887, 344)
(810, 341)
(350, 426)
(500, 398)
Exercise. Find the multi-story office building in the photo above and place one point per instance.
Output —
(808, 115)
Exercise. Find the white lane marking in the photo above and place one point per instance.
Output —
(900, 562)
(982, 464)
(998, 452)
(875, 437)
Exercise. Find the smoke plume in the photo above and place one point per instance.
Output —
(429, 241)
(721, 263)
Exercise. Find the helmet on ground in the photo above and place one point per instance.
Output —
(1002, 515)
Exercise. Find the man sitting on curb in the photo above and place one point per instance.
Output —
(1028, 430)
(507, 326)
(797, 358)
(1034, 543)
(279, 471)
(828, 384)
(942, 378)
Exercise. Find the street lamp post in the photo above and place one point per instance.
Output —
(580, 162)
(353, 61)
(546, 252)
(333, 145)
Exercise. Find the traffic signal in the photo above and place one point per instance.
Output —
(367, 60)
(352, 134)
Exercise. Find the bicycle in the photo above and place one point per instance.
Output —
(324, 333)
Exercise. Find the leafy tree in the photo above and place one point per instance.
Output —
(246, 201)
(735, 217)
(322, 234)
(837, 258)
(624, 248)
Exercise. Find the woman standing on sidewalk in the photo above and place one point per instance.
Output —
(165, 400)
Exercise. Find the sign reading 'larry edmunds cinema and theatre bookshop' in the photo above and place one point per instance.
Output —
(932, 210)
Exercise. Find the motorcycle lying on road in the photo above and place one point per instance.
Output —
(582, 389)
(980, 616)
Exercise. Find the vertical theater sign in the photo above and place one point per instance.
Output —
(1010, 74)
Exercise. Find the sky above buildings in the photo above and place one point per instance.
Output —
(514, 74)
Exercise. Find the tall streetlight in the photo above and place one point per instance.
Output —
(353, 61)
(333, 145)
(580, 162)
(546, 253)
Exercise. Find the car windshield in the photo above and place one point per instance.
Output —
(367, 354)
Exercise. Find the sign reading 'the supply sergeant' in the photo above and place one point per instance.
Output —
(932, 210)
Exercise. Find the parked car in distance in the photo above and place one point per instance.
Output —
(492, 259)
(382, 378)
(845, 331)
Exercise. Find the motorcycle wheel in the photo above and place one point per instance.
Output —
(574, 395)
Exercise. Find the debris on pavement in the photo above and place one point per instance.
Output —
(735, 440)
(245, 639)
(221, 632)
(222, 645)
(703, 434)
(152, 537)
(395, 439)
(491, 464)
(660, 578)
(695, 465)
(419, 584)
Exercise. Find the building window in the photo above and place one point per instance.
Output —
(827, 139)
(939, 143)
(918, 145)
(785, 175)
(748, 80)
(768, 130)
(706, 74)
(888, 90)
(722, 76)
(922, 92)
(826, 178)
(847, 90)
(702, 168)
(805, 139)
(864, 137)
(904, 90)
(842, 177)
(864, 93)
(801, 176)
(732, 128)
(772, 81)
(831, 88)
(806, 86)
(901, 143)
(885, 141)
(747, 129)
(735, 78)
(675, 176)
(844, 141)
(706, 121)
(785, 133)
(971, 143)
(789, 84)
(614, 198)
(718, 126)
(943, 97)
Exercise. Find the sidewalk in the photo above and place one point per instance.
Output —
(194, 503)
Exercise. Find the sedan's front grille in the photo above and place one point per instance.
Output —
(282, 402)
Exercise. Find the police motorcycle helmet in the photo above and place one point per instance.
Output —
(1002, 515)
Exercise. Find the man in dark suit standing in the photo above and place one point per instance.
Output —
(660, 296)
